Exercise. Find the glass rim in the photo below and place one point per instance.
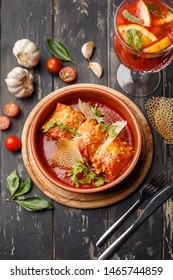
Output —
(138, 52)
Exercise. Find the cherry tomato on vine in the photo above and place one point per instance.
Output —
(54, 65)
(11, 109)
(4, 123)
(12, 143)
(67, 74)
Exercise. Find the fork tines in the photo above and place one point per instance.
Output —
(157, 179)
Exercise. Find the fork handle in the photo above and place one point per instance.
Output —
(117, 224)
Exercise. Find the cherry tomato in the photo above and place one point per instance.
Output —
(67, 74)
(11, 109)
(4, 123)
(54, 64)
(12, 143)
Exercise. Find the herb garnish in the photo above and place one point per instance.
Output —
(58, 49)
(100, 119)
(155, 10)
(62, 126)
(130, 17)
(18, 188)
(134, 39)
(87, 174)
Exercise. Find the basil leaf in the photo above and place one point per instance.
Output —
(24, 187)
(130, 17)
(155, 10)
(134, 39)
(12, 182)
(58, 49)
(34, 203)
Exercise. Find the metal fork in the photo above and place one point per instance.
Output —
(147, 191)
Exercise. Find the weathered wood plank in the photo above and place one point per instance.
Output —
(76, 231)
(168, 167)
(23, 235)
(138, 246)
(69, 233)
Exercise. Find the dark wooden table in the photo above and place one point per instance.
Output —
(69, 233)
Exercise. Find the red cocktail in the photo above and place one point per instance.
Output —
(143, 38)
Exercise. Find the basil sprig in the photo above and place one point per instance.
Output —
(18, 188)
(58, 49)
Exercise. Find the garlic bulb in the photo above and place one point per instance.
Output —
(87, 49)
(96, 68)
(27, 53)
(20, 82)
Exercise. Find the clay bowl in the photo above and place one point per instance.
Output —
(99, 93)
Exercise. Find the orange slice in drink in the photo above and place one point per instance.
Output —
(159, 46)
(161, 21)
(143, 13)
(147, 37)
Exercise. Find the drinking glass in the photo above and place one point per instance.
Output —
(139, 71)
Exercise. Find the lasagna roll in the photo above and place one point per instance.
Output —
(90, 138)
(63, 122)
(113, 160)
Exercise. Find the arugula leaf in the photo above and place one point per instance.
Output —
(130, 17)
(58, 49)
(50, 125)
(134, 39)
(99, 118)
(62, 126)
(155, 10)
(12, 182)
(66, 127)
(89, 175)
(99, 181)
(98, 114)
(112, 130)
(80, 168)
(88, 179)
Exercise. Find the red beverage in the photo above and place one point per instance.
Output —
(143, 34)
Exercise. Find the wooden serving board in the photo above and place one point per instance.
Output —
(93, 200)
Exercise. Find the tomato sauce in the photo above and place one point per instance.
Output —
(47, 145)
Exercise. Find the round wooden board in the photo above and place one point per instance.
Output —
(94, 200)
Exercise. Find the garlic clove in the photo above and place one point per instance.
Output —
(96, 68)
(87, 49)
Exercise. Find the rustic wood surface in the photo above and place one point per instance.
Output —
(71, 233)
